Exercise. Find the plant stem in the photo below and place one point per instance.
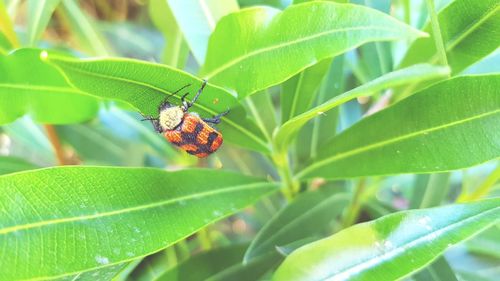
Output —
(56, 144)
(171, 256)
(355, 206)
(204, 239)
(436, 30)
(282, 162)
(182, 250)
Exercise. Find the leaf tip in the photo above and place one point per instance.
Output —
(422, 34)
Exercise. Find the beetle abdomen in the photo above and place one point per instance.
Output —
(195, 136)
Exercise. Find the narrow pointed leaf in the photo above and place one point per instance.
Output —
(29, 86)
(81, 25)
(197, 20)
(175, 51)
(439, 270)
(285, 134)
(391, 247)
(259, 47)
(298, 92)
(39, 14)
(451, 125)
(145, 85)
(303, 218)
(86, 218)
(463, 24)
(6, 27)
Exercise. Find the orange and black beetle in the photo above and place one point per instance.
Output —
(187, 129)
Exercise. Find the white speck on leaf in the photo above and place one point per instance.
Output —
(101, 260)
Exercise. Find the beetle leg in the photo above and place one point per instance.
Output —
(154, 121)
(216, 118)
(187, 105)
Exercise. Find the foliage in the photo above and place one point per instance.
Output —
(362, 141)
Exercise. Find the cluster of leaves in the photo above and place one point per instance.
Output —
(431, 104)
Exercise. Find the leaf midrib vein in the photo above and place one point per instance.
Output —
(133, 209)
(390, 141)
(289, 43)
(415, 242)
(41, 88)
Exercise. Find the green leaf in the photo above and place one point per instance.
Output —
(464, 24)
(221, 264)
(303, 218)
(101, 274)
(263, 111)
(13, 164)
(4, 44)
(6, 26)
(450, 125)
(175, 52)
(83, 28)
(439, 270)
(29, 86)
(391, 247)
(197, 20)
(285, 134)
(39, 14)
(145, 85)
(259, 47)
(325, 127)
(85, 218)
(298, 92)
(487, 243)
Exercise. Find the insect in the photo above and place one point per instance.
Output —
(193, 134)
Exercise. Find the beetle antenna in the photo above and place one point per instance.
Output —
(182, 88)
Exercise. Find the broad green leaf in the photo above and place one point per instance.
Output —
(86, 218)
(285, 134)
(6, 26)
(145, 85)
(259, 47)
(197, 20)
(304, 217)
(83, 28)
(450, 125)
(13, 164)
(175, 52)
(29, 86)
(298, 92)
(222, 264)
(39, 14)
(391, 247)
(470, 31)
